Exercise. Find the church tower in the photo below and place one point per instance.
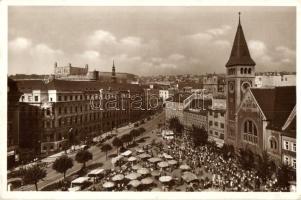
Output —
(114, 79)
(240, 75)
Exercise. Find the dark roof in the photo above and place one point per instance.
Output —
(178, 97)
(198, 104)
(193, 85)
(65, 85)
(29, 85)
(265, 98)
(240, 54)
(290, 131)
(276, 103)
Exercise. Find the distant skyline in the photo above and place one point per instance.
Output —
(148, 40)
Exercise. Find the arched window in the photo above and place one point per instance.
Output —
(241, 70)
(273, 143)
(245, 71)
(250, 132)
(249, 71)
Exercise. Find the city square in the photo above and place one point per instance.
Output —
(210, 110)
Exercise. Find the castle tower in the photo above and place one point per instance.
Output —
(114, 78)
(240, 75)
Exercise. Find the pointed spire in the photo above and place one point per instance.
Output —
(113, 73)
(240, 54)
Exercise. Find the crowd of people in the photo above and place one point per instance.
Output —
(213, 172)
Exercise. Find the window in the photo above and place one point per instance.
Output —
(245, 71)
(210, 132)
(241, 70)
(286, 160)
(60, 98)
(216, 133)
(215, 123)
(286, 145)
(210, 123)
(29, 98)
(249, 71)
(294, 147)
(222, 125)
(50, 98)
(23, 98)
(250, 132)
(294, 163)
(66, 98)
(273, 143)
(36, 98)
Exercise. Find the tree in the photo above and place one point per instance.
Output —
(135, 133)
(284, 175)
(117, 143)
(199, 136)
(33, 175)
(83, 156)
(141, 130)
(246, 158)
(264, 166)
(176, 126)
(227, 151)
(105, 148)
(62, 164)
(126, 138)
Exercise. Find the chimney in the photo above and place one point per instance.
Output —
(70, 65)
(55, 64)
(86, 66)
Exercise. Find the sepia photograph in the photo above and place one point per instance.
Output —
(185, 98)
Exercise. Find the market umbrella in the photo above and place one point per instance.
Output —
(127, 153)
(147, 181)
(144, 155)
(117, 158)
(118, 177)
(172, 162)
(184, 167)
(143, 171)
(188, 177)
(132, 158)
(154, 159)
(140, 150)
(134, 183)
(137, 166)
(163, 164)
(165, 179)
(165, 155)
(155, 173)
(108, 184)
(133, 176)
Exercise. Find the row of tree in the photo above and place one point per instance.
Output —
(35, 173)
(122, 141)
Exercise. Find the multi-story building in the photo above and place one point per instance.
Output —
(214, 84)
(216, 121)
(196, 114)
(13, 120)
(81, 109)
(175, 105)
(275, 80)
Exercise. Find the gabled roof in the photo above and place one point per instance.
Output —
(240, 54)
(276, 104)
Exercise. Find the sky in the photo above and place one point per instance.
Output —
(147, 40)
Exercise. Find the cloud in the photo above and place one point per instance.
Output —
(131, 41)
(19, 44)
(219, 31)
(90, 55)
(101, 37)
(222, 43)
(201, 37)
(257, 48)
(176, 57)
(44, 50)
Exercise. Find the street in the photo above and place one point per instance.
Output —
(98, 155)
